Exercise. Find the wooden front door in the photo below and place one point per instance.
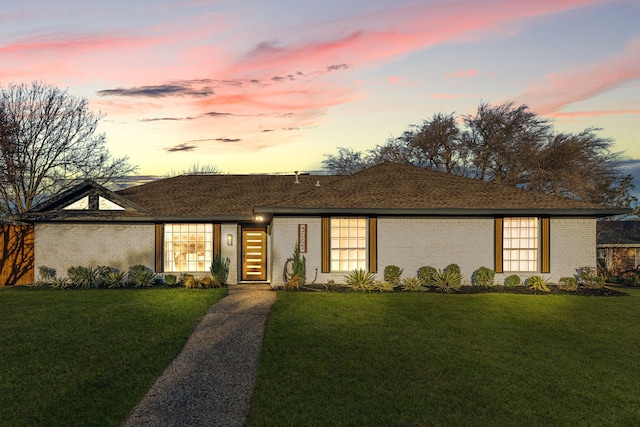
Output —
(254, 253)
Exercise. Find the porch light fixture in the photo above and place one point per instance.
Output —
(229, 239)
(258, 218)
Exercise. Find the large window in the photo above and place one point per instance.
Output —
(348, 244)
(188, 247)
(520, 246)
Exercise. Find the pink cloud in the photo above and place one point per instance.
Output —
(596, 113)
(397, 32)
(393, 79)
(583, 82)
(466, 73)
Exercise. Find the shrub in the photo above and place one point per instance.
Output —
(453, 267)
(220, 270)
(170, 280)
(60, 283)
(411, 284)
(360, 280)
(392, 274)
(207, 282)
(537, 283)
(513, 280)
(588, 277)
(141, 276)
(425, 275)
(483, 277)
(189, 281)
(447, 280)
(82, 277)
(568, 283)
(46, 273)
(298, 270)
(383, 286)
(113, 278)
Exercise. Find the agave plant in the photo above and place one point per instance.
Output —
(82, 277)
(447, 280)
(360, 280)
(411, 284)
(538, 283)
(141, 276)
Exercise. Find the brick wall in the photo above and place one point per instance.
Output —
(411, 243)
(61, 246)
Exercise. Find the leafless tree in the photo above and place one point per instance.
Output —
(197, 169)
(509, 144)
(346, 162)
(48, 143)
(501, 139)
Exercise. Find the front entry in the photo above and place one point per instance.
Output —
(254, 253)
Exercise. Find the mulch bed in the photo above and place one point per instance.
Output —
(590, 292)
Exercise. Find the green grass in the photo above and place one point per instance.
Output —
(449, 360)
(81, 358)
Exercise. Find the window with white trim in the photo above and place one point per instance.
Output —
(348, 243)
(188, 247)
(521, 243)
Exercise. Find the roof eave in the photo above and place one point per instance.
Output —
(446, 211)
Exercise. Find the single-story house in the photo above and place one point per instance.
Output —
(390, 214)
(618, 246)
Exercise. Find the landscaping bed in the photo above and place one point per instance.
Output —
(603, 291)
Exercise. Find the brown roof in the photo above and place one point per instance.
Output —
(195, 196)
(389, 187)
(392, 186)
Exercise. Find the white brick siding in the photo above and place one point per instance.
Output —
(411, 243)
(61, 246)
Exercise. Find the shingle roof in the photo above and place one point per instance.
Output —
(392, 186)
(389, 188)
(386, 187)
(195, 196)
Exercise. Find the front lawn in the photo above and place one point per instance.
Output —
(398, 359)
(86, 357)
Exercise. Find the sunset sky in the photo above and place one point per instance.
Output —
(273, 85)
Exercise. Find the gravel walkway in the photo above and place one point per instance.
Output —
(211, 381)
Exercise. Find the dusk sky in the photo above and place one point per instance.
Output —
(272, 86)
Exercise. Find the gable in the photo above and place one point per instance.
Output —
(85, 201)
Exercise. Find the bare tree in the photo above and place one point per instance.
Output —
(49, 142)
(196, 169)
(501, 139)
(346, 162)
(509, 144)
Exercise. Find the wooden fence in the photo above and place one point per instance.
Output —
(17, 254)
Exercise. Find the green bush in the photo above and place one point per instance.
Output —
(141, 276)
(82, 277)
(46, 273)
(513, 280)
(447, 280)
(537, 283)
(360, 280)
(425, 275)
(454, 268)
(220, 269)
(568, 283)
(411, 284)
(588, 277)
(392, 274)
(483, 276)
(170, 280)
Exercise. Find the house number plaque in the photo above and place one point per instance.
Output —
(302, 238)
